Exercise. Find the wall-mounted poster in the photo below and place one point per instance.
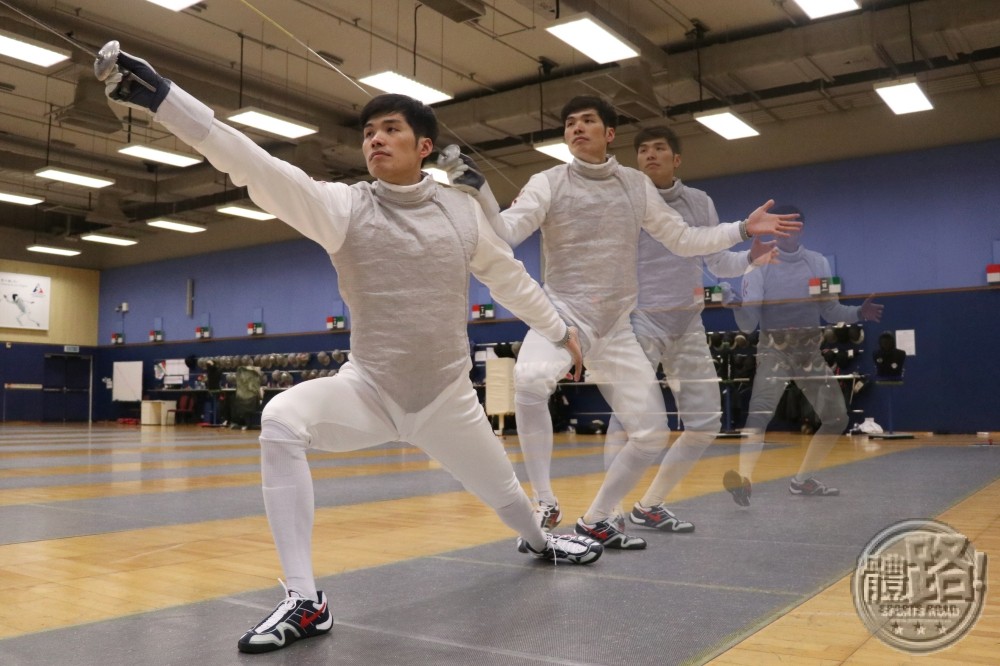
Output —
(24, 301)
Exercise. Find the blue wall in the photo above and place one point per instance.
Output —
(292, 283)
(907, 222)
(896, 225)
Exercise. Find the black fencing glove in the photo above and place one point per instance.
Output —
(125, 84)
(461, 170)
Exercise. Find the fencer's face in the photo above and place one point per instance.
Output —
(657, 160)
(392, 152)
(791, 242)
(587, 137)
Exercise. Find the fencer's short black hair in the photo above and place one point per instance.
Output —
(788, 209)
(418, 115)
(658, 132)
(584, 102)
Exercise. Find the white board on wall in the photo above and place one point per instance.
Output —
(127, 381)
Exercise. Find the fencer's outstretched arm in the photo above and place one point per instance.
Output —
(318, 210)
(667, 226)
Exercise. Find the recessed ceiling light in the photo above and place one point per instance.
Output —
(73, 177)
(108, 239)
(48, 249)
(174, 225)
(391, 82)
(244, 211)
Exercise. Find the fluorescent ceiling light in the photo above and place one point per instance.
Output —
(108, 239)
(272, 123)
(726, 123)
(175, 5)
(73, 177)
(556, 148)
(904, 96)
(20, 199)
(593, 39)
(30, 50)
(243, 211)
(48, 249)
(160, 155)
(174, 225)
(440, 175)
(391, 82)
(815, 9)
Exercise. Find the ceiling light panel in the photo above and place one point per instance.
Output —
(272, 123)
(391, 82)
(726, 123)
(174, 225)
(160, 155)
(30, 50)
(73, 177)
(593, 39)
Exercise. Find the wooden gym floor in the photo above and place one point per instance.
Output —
(113, 534)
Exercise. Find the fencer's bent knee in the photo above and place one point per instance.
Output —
(535, 382)
(274, 429)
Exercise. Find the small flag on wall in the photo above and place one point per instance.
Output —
(824, 286)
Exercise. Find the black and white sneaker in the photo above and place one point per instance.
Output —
(811, 486)
(658, 517)
(607, 533)
(565, 548)
(294, 618)
(548, 515)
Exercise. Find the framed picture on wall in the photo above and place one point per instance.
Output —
(24, 301)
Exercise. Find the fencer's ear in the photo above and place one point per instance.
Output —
(424, 147)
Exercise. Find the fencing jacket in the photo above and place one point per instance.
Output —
(590, 216)
(776, 296)
(671, 287)
(403, 255)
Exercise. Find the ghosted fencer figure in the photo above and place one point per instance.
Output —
(776, 299)
(590, 213)
(668, 325)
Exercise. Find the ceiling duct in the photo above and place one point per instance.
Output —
(631, 91)
(458, 11)
(90, 108)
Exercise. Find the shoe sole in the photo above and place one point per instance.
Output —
(623, 542)
(260, 648)
(589, 557)
(799, 493)
(673, 526)
(733, 482)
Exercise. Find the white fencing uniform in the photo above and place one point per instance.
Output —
(776, 297)
(668, 325)
(403, 255)
(590, 217)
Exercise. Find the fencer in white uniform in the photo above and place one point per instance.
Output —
(590, 213)
(776, 298)
(19, 303)
(404, 248)
(667, 322)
